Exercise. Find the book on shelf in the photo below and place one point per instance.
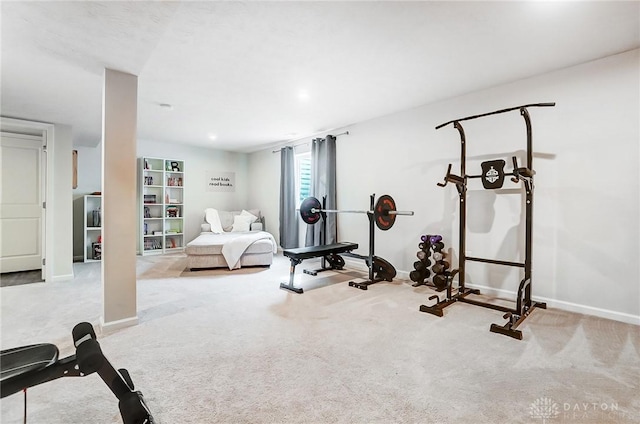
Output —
(96, 249)
(152, 244)
(173, 212)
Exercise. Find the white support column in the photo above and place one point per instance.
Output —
(119, 126)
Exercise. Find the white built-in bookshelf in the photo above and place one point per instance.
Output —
(161, 183)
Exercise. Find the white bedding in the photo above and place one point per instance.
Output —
(231, 246)
(234, 248)
(213, 218)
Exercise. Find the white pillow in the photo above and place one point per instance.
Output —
(212, 217)
(252, 217)
(241, 223)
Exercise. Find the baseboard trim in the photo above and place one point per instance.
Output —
(357, 264)
(565, 306)
(508, 294)
(64, 277)
(116, 325)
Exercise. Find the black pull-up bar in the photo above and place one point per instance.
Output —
(496, 112)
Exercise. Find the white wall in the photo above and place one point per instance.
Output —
(199, 161)
(61, 206)
(89, 181)
(264, 187)
(586, 209)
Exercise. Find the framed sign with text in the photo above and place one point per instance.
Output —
(221, 181)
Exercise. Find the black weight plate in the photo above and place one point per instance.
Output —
(418, 265)
(384, 205)
(336, 261)
(305, 210)
(383, 269)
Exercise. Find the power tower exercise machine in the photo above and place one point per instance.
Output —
(492, 177)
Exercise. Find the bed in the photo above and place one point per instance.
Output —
(231, 239)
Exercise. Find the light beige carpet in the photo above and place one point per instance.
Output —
(221, 346)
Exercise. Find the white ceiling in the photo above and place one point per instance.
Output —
(237, 69)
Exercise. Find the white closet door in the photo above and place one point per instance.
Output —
(20, 203)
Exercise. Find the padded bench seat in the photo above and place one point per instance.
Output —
(302, 253)
(23, 360)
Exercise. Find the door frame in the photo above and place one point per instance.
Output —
(47, 132)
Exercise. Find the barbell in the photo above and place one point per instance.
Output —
(384, 211)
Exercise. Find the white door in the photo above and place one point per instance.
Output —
(21, 212)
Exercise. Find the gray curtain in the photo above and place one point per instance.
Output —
(288, 213)
(323, 183)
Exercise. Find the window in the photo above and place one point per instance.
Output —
(303, 177)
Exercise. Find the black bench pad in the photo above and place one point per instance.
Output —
(302, 253)
(26, 359)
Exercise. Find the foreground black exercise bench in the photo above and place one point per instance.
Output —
(28, 366)
(301, 253)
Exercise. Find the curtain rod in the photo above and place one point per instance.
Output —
(300, 144)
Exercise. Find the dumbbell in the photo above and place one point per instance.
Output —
(440, 281)
(438, 256)
(440, 267)
(437, 247)
(417, 276)
(435, 239)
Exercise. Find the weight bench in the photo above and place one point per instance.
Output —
(28, 366)
(301, 253)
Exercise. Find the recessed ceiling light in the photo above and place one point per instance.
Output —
(212, 136)
(166, 106)
(303, 95)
